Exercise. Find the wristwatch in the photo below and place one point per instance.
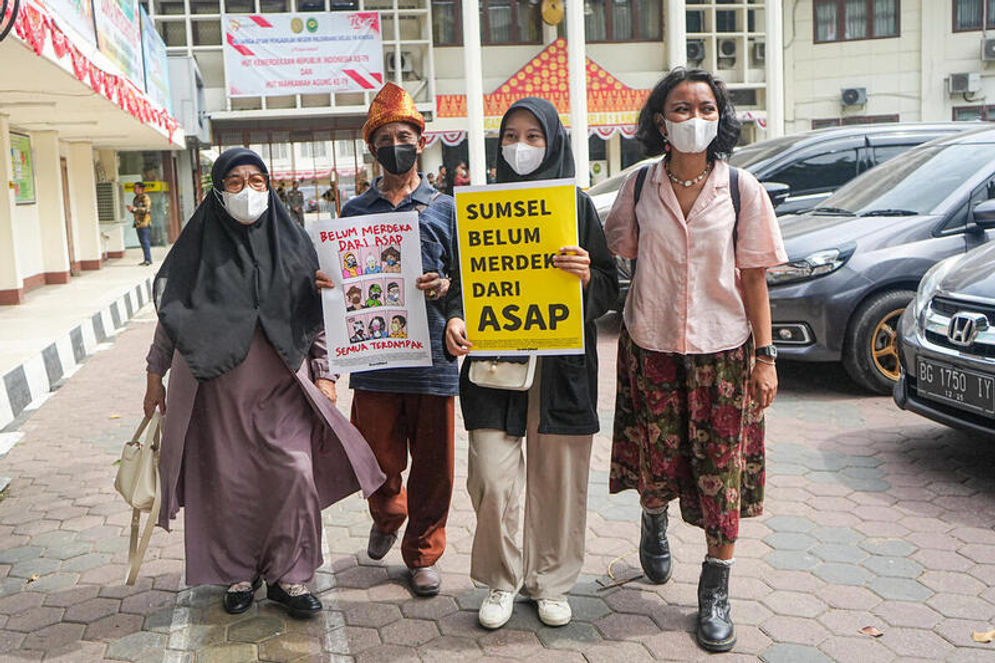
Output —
(769, 351)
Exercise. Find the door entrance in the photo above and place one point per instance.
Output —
(74, 266)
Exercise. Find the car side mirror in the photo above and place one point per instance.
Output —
(778, 192)
(983, 214)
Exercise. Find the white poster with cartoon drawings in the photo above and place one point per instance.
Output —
(374, 316)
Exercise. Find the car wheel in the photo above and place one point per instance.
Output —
(870, 353)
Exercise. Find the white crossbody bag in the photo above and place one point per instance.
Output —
(138, 482)
(503, 374)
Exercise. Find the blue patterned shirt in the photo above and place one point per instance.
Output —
(437, 225)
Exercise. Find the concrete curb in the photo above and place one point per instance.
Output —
(27, 386)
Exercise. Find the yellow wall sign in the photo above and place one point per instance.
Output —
(150, 186)
(514, 300)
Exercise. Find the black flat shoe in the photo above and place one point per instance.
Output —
(301, 606)
(238, 602)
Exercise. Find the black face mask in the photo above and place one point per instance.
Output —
(397, 159)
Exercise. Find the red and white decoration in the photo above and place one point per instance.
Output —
(38, 29)
(606, 132)
(449, 138)
(272, 55)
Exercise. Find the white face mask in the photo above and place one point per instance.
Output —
(692, 136)
(522, 157)
(247, 205)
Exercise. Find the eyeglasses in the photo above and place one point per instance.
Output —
(235, 183)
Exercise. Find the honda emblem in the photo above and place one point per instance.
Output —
(964, 327)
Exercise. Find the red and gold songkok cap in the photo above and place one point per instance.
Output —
(392, 104)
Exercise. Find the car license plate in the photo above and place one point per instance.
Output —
(965, 389)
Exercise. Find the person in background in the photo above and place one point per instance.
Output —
(431, 179)
(361, 187)
(281, 193)
(462, 175)
(295, 203)
(442, 182)
(695, 353)
(141, 207)
(409, 410)
(253, 447)
(491, 175)
(557, 416)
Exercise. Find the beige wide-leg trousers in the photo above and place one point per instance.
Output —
(555, 477)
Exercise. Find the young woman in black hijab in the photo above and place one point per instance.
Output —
(252, 448)
(557, 415)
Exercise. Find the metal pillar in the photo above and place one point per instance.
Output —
(577, 62)
(677, 34)
(473, 74)
(774, 51)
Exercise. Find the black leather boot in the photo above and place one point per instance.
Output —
(654, 549)
(715, 628)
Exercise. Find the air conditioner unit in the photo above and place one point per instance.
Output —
(853, 96)
(727, 48)
(988, 49)
(964, 83)
(696, 50)
(108, 201)
(407, 62)
(759, 52)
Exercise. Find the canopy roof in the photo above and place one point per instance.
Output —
(609, 101)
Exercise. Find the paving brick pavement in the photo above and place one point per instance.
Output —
(875, 517)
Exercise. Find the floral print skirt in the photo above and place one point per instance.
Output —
(685, 428)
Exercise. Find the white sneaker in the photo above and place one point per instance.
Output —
(554, 612)
(496, 609)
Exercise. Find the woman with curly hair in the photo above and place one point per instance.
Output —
(695, 356)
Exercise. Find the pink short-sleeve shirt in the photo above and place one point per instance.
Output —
(686, 296)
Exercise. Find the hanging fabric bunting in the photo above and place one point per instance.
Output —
(35, 28)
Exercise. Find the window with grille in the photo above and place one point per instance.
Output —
(501, 22)
(622, 20)
(849, 20)
(971, 14)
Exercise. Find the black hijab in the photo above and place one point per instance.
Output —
(222, 278)
(559, 159)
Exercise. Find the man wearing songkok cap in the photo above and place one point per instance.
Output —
(404, 410)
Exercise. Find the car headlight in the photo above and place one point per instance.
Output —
(815, 264)
(929, 284)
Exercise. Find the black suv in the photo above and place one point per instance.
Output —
(946, 340)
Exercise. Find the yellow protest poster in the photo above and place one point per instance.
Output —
(514, 300)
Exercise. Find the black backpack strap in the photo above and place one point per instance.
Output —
(734, 194)
(640, 180)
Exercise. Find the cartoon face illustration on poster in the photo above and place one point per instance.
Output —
(371, 262)
(354, 298)
(398, 326)
(377, 327)
(356, 326)
(350, 265)
(390, 258)
(374, 293)
(395, 293)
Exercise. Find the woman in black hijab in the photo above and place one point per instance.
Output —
(557, 415)
(252, 448)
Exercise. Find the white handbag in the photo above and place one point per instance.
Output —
(503, 374)
(138, 482)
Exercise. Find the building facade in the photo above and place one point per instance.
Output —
(66, 111)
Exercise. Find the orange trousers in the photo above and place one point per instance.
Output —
(394, 425)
